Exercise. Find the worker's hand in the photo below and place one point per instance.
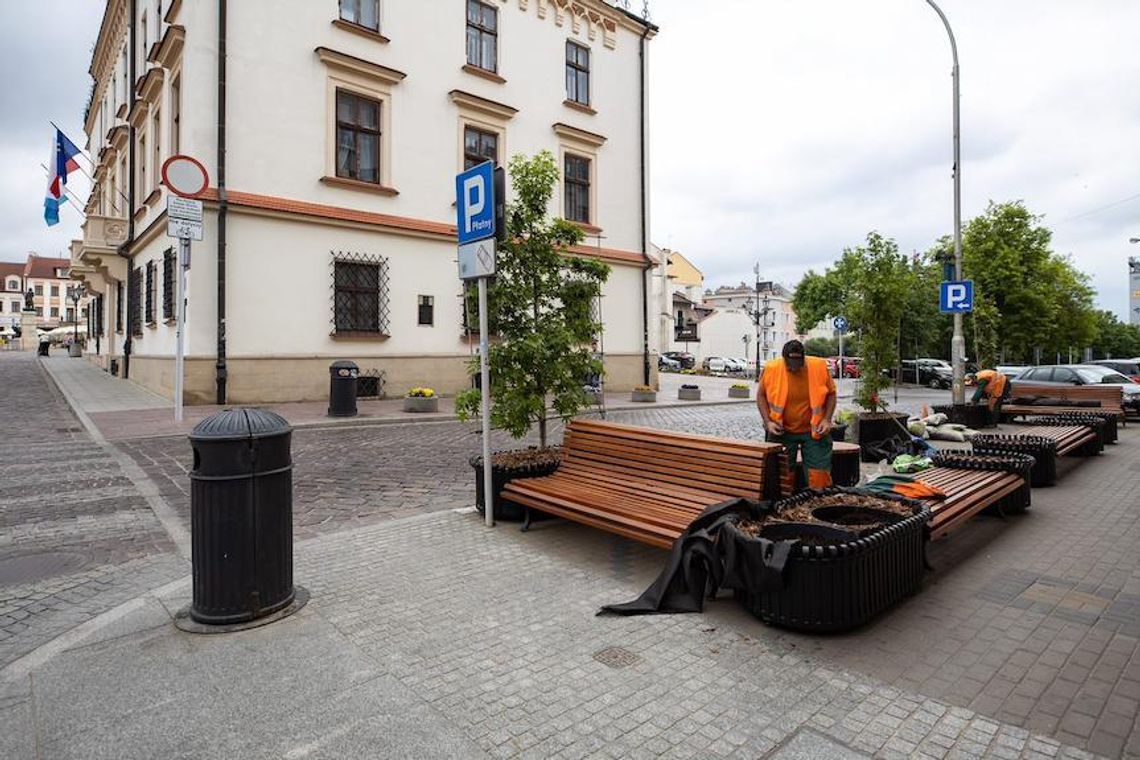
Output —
(774, 427)
(823, 428)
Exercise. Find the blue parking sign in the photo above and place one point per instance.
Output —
(956, 297)
(475, 202)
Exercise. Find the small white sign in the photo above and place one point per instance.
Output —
(477, 259)
(183, 208)
(183, 228)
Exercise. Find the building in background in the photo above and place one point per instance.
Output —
(777, 317)
(49, 280)
(1134, 290)
(345, 124)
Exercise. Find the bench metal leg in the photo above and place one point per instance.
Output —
(526, 520)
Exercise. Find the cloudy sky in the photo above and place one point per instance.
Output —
(783, 130)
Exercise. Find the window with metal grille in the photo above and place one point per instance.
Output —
(364, 13)
(479, 146)
(577, 188)
(427, 310)
(149, 309)
(482, 35)
(100, 305)
(577, 73)
(357, 137)
(134, 301)
(168, 272)
(118, 307)
(360, 293)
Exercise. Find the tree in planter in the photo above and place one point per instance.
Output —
(878, 305)
(540, 308)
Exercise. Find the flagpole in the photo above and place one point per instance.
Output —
(89, 161)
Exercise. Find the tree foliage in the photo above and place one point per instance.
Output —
(540, 307)
(1115, 339)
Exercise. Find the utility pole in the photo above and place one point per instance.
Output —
(760, 317)
(958, 342)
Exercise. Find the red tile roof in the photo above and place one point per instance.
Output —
(44, 268)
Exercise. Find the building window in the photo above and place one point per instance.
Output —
(156, 125)
(577, 188)
(148, 310)
(140, 180)
(39, 289)
(427, 310)
(2, 306)
(134, 302)
(13, 284)
(175, 115)
(55, 312)
(15, 306)
(168, 271)
(357, 137)
(577, 73)
(360, 294)
(482, 35)
(364, 13)
(39, 311)
(479, 146)
(70, 315)
(55, 291)
(144, 27)
(118, 307)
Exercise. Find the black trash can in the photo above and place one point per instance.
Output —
(342, 388)
(43, 349)
(241, 516)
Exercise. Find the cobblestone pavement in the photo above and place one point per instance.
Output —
(1034, 620)
(76, 538)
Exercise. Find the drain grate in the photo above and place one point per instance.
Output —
(616, 657)
(30, 568)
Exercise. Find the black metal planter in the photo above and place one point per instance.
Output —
(839, 586)
(1043, 451)
(1096, 424)
(500, 476)
(976, 416)
(879, 428)
(1109, 430)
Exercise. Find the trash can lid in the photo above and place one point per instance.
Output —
(343, 364)
(240, 424)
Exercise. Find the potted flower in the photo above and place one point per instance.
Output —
(689, 392)
(421, 400)
(643, 394)
(739, 390)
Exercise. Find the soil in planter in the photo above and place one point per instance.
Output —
(533, 457)
(806, 533)
(881, 512)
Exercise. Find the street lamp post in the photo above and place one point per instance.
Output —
(958, 342)
(77, 292)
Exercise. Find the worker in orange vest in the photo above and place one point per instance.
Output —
(796, 399)
(991, 384)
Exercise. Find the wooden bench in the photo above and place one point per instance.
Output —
(648, 484)
(1110, 398)
(1071, 439)
(970, 491)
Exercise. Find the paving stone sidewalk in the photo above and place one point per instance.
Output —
(436, 637)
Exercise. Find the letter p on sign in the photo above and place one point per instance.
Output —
(474, 200)
(475, 203)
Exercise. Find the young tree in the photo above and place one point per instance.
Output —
(882, 277)
(540, 307)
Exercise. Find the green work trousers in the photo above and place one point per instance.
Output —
(816, 454)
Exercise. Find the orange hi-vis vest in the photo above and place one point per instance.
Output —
(774, 383)
(996, 385)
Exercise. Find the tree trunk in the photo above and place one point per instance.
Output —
(542, 431)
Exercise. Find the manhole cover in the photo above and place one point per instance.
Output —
(35, 567)
(616, 657)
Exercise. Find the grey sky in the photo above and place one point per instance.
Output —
(782, 130)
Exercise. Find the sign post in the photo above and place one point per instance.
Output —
(186, 179)
(840, 325)
(476, 206)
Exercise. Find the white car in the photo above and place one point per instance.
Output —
(735, 365)
(715, 364)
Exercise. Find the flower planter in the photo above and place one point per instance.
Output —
(975, 416)
(740, 393)
(501, 474)
(643, 397)
(876, 427)
(689, 394)
(421, 404)
(845, 464)
(1043, 450)
(835, 585)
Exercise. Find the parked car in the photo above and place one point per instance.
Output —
(715, 364)
(665, 364)
(1084, 374)
(1129, 367)
(850, 366)
(1012, 370)
(684, 358)
(736, 364)
(933, 373)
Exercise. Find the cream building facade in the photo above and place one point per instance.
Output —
(777, 327)
(332, 133)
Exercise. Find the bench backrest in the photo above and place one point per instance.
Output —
(749, 469)
(1109, 396)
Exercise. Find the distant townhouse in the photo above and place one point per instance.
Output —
(332, 133)
(49, 280)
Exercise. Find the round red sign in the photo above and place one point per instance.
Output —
(185, 176)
